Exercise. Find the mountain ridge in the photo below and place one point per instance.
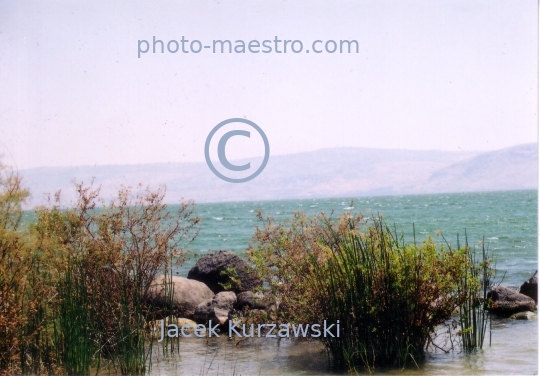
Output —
(323, 173)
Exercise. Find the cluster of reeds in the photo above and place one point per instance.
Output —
(473, 317)
(388, 296)
(73, 283)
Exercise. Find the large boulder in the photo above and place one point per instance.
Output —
(530, 288)
(187, 294)
(222, 271)
(505, 302)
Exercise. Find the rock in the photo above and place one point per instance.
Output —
(188, 294)
(523, 316)
(224, 300)
(530, 288)
(217, 309)
(183, 321)
(206, 311)
(224, 269)
(505, 302)
(251, 300)
(155, 325)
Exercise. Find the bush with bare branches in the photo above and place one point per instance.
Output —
(73, 282)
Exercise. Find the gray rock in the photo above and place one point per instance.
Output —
(252, 300)
(505, 302)
(224, 300)
(187, 295)
(207, 311)
(224, 269)
(530, 288)
(523, 316)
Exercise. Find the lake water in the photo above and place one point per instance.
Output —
(506, 220)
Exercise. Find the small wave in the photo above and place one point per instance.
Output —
(349, 208)
(218, 218)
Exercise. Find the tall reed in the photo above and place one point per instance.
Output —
(473, 317)
(75, 326)
(131, 334)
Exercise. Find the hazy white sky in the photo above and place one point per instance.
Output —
(429, 75)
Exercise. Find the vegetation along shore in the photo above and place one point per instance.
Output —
(90, 287)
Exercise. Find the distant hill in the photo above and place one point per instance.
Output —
(344, 172)
(507, 169)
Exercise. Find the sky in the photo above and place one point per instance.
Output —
(428, 75)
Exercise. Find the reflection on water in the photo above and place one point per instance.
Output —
(257, 356)
(514, 350)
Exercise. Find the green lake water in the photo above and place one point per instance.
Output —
(506, 220)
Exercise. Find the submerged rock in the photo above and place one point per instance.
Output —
(523, 316)
(505, 302)
(188, 294)
(530, 288)
(223, 271)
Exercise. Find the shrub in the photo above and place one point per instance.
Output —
(73, 282)
(387, 295)
(111, 256)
